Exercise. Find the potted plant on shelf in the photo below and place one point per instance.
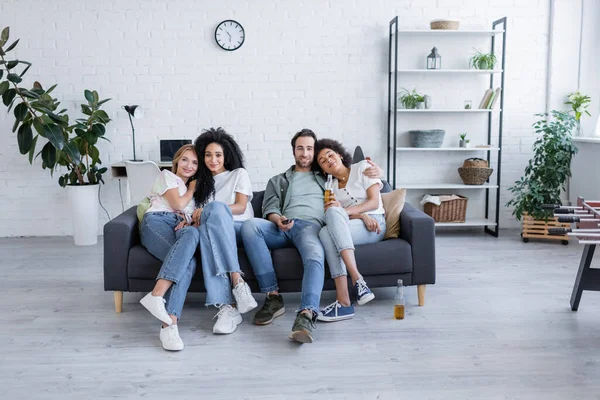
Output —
(66, 145)
(545, 175)
(464, 142)
(579, 104)
(411, 100)
(483, 60)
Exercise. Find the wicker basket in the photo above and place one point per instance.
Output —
(475, 163)
(449, 24)
(448, 211)
(475, 176)
(432, 138)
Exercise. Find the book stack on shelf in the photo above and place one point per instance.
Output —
(490, 98)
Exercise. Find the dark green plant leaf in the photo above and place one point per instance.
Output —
(25, 138)
(86, 109)
(71, 150)
(29, 94)
(12, 64)
(37, 85)
(21, 112)
(102, 170)
(4, 36)
(3, 87)
(32, 149)
(51, 88)
(9, 96)
(12, 46)
(16, 125)
(48, 156)
(102, 116)
(14, 78)
(103, 101)
(1, 73)
(62, 181)
(89, 96)
(94, 154)
(90, 138)
(53, 133)
(25, 70)
(98, 130)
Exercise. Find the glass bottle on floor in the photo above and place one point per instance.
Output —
(399, 301)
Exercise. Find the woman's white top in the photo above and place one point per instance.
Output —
(227, 184)
(167, 180)
(355, 192)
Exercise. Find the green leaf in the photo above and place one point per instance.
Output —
(25, 138)
(1, 73)
(98, 130)
(4, 36)
(16, 125)
(102, 116)
(9, 96)
(29, 94)
(62, 181)
(48, 156)
(25, 70)
(102, 170)
(86, 109)
(71, 150)
(3, 86)
(20, 112)
(96, 98)
(53, 133)
(37, 85)
(103, 101)
(12, 64)
(32, 149)
(95, 154)
(51, 88)
(89, 96)
(14, 78)
(12, 46)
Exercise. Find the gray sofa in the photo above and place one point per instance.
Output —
(128, 267)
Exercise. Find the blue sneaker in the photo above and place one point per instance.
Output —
(364, 294)
(336, 312)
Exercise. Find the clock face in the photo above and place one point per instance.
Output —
(230, 35)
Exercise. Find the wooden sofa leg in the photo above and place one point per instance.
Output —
(421, 294)
(118, 301)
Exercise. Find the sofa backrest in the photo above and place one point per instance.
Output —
(257, 201)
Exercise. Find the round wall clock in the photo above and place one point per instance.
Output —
(230, 35)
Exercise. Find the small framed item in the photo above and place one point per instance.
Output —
(230, 35)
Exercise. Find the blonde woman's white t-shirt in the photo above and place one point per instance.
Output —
(355, 192)
(228, 183)
(167, 180)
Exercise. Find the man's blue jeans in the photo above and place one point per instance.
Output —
(176, 249)
(260, 236)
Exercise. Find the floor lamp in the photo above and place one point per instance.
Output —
(137, 113)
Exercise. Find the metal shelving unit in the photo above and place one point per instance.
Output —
(490, 223)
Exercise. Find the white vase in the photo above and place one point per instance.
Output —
(83, 205)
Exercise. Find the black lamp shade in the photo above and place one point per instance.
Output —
(133, 110)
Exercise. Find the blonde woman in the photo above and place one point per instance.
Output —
(171, 205)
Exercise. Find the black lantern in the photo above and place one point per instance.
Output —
(434, 60)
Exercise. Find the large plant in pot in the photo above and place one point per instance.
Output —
(67, 146)
(547, 172)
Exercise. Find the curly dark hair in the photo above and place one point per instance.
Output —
(205, 187)
(335, 146)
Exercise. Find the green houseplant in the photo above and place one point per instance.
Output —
(463, 142)
(67, 145)
(483, 60)
(579, 104)
(410, 100)
(548, 170)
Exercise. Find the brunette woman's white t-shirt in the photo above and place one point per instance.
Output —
(228, 183)
(355, 192)
(167, 180)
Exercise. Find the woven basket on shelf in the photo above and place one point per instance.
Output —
(444, 24)
(448, 211)
(475, 171)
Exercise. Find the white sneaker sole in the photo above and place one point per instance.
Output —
(148, 305)
(237, 320)
(365, 299)
(249, 307)
(322, 318)
(302, 336)
(174, 348)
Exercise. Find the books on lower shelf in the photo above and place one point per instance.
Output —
(490, 98)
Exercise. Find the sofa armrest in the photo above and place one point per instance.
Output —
(418, 229)
(120, 235)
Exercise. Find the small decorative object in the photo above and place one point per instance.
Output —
(447, 24)
(432, 138)
(230, 35)
(475, 171)
(579, 103)
(421, 105)
(468, 104)
(137, 113)
(483, 60)
(434, 59)
(540, 183)
(410, 100)
(427, 99)
(463, 140)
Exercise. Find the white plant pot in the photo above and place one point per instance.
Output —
(83, 204)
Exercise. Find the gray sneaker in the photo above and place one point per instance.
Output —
(302, 329)
(271, 309)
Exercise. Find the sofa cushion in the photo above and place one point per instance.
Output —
(257, 200)
(393, 203)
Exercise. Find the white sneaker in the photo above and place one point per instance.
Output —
(243, 297)
(156, 306)
(228, 318)
(169, 337)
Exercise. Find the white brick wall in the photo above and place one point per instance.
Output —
(317, 64)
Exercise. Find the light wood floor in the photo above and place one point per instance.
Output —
(497, 325)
